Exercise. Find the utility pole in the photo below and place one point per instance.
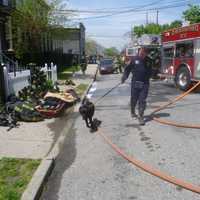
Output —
(147, 18)
(157, 16)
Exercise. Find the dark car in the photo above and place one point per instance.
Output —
(106, 66)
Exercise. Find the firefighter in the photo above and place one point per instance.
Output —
(141, 72)
(83, 64)
(120, 64)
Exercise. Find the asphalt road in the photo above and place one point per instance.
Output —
(88, 169)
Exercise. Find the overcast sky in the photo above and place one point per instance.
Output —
(109, 31)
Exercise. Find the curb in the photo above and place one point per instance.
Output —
(34, 188)
(38, 181)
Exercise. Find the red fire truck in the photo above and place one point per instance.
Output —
(181, 55)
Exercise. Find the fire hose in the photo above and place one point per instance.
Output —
(149, 169)
(178, 98)
(145, 167)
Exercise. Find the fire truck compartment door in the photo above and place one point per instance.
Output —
(197, 59)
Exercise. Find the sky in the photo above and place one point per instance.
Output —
(110, 31)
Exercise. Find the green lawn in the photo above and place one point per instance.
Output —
(68, 72)
(64, 75)
(71, 69)
(80, 89)
(15, 174)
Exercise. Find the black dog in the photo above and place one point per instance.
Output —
(87, 110)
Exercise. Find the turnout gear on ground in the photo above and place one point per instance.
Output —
(25, 111)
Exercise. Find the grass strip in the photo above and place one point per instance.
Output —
(15, 174)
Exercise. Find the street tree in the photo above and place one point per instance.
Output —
(153, 28)
(32, 22)
(139, 30)
(90, 47)
(111, 52)
(192, 15)
(29, 20)
(175, 24)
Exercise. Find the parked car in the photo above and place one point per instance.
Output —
(106, 66)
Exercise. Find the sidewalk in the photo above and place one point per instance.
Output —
(36, 140)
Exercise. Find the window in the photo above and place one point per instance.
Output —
(131, 51)
(106, 62)
(184, 50)
(168, 52)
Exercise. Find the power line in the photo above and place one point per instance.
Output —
(106, 36)
(130, 11)
(157, 16)
(109, 11)
(100, 11)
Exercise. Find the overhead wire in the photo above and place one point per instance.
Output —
(174, 5)
(117, 9)
(109, 11)
(106, 36)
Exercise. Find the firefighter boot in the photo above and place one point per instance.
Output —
(133, 113)
(141, 117)
(133, 105)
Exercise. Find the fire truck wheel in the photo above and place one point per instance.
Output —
(183, 79)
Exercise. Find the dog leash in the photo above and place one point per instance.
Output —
(94, 79)
(87, 108)
(107, 93)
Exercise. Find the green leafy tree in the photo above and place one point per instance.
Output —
(30, 20)
(32, 23)
(139, 30)
(175, 24)
(92, 47)
(192, 14)
(155, 28)
(111, 52)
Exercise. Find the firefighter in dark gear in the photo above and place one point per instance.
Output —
(83, 64)
(141, 72)
(120, 64)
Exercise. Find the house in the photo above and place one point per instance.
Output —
(6, 7)
(69, 41)
(59, 45)
(75, 40)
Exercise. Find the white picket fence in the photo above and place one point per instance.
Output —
(14, 82)
(51, 72)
